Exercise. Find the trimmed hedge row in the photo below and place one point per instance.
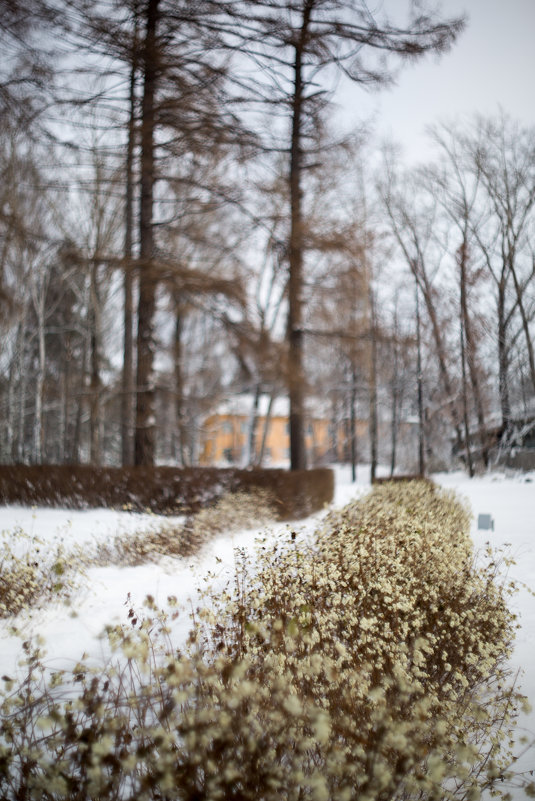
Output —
(401, 479)
(165, 490)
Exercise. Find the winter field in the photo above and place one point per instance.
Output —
(104, 595)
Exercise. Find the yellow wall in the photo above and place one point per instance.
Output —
(224, 439)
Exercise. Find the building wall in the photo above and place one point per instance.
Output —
(225, 440)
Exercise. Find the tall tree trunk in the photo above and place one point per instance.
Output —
(11, 407)
(16, 372)
(524, 318)
(373, 388)
(253, 426)
(427, 294)
(185, 453)
(333, 433)
(419, 379)
(471, 359)
(75, 443)
(127, 397)
(395, 403)
(145, 408)
(353, 419)
(265, 431)
(39, 426)
(474, 380)
(296, 378)
(503, 362)
(466, 415)
(20, 449)
(396, 395)
(394, 433)
(95, 384)
(65, 400)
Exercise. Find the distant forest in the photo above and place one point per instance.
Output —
(183, 220)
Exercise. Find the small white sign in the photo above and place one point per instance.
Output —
(485, 522)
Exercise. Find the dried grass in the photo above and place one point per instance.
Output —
(232, 512)
(32, 575)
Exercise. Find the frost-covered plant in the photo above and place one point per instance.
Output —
(234, 511)
(231, 512)
(30, 573)
(369, 665)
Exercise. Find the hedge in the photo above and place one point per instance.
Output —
(164, 490)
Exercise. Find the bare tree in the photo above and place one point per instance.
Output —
(488, 193)
(176, 57)
(25, 264)
(412, 220)
(145, 420)
(456, 183)
(294, 43)
(25, 68)
(171, 54)
(128, 384)
(504, 154)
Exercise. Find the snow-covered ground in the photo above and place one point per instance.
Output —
(510, 500)
(68, 527)
(106, 593)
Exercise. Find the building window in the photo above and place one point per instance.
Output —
(227, 454)
(227, 426)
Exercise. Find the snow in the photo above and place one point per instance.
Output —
(67, 527)
(510, 500)
(107, 593)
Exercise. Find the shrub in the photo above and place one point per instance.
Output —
(30, 574)
(231, 512)
(165, 490)
(369, 665)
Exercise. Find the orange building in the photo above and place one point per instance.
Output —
(226, 434)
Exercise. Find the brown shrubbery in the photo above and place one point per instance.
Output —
(31, 574)
(230, 513)
(369, 665)
(165, 490)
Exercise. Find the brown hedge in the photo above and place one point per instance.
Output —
(400, 478)
(165, 490)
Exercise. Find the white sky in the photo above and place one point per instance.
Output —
(491, 67)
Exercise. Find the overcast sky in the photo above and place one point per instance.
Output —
(492, 65)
